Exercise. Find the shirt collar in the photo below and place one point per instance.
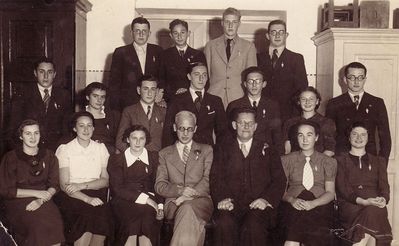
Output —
(247, 144)
(140, 48)
(145, 106)
(130, 158)
(185, 48)
(41, 89)
(279, 50)
(180, 145)
(252, 101)
(234, 40)
(360, 96)
(193, 95)
(102, 109)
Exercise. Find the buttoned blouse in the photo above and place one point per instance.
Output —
(324, 169)
(85, 163)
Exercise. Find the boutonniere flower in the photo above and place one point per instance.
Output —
(208, 107)
(282, 64)
(56, 106)
(197, 153)
(264, 113)
(239, 53)
(265, 146)
(367, 110)
(156, 119)
(153, 58)
(107, 126)
(315, 168)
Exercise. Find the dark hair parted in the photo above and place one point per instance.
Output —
(276, 22)
(309, 89)
(305, 122)
(355, 124)
(95, 86)
(355, 65)
(253, 69)
(243, 110)
(133, 128)
(77, 115)
(147, 77)
(176, 22)
(231, 11)
(140, 20)
(43, 59)
(27, 122)
(192, 65)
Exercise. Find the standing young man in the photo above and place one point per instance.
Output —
(358, 105)
(176, 59)
(284, 70)
(227, 56)
(130, 63)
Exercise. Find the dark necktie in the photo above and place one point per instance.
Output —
(197, 100)
(254, 106)
(46, 99)
(356, 100)
(274, 58)
(148, 111)
(181, 52)
(228, 49)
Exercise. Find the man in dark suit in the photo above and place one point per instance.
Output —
(44, 102)
(175, 60)
(284, 70)
(267, 110)
(208, 109)
(146, 113)
(247, 184)
(130, 62)
(358, 105)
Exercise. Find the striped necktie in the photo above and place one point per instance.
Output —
(46, 99)
(186, 152)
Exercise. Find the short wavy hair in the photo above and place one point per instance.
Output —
(134, 128)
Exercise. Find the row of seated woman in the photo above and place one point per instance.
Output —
(51, 199)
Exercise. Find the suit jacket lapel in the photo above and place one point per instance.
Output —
(133, 58)
(150, 58)
(236, 49)
(37, 97)
(176, 161)
(221, 49)
(191, 157)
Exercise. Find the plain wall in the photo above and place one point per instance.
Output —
(108, 26)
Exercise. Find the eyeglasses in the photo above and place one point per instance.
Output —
(183, 129)
(138, 32)
(36, 169)
(358, 78)
(279, 32)
(254, 82)
(244, 123)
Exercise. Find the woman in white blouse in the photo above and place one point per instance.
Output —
(84, 182)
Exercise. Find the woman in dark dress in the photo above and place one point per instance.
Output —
(84, 183)
(106, 120)
(132, 177)
(308, 101)
(28, 181)
(363, 192)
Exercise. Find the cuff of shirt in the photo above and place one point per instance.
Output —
(142, 199)
(160, 206)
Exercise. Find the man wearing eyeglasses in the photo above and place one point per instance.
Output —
(227, 56)
(175, 60)
(130, 63)
(267, 110)
(207, 108)
(284, 70)
(358, 105)
(183, 180)
(247, 185)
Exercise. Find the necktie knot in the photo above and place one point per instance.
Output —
(199, 94)
(149, 111)
(181, 52)
(254, 105)
(244, 150)
(197, 100)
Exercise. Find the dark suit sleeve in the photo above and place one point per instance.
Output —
(276, 128)
(300, 76)
(275, 190)
(383, 130)
(167, 131)
(116, 78)
(221, 120)
(330, 110)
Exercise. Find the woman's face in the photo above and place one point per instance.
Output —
(30, 136)
(358, 137)
(137, 140)
(308, 101)
(84, 128)
(97, 99)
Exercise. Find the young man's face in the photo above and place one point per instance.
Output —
(141, 33)
(148, 91)
(185, 129)
(45, 74)
(306, 137)
(230, 25)
(198, 77)
(355, 79)
(97, 98)
(180, 34)
(277, 35)
(254, 84)
(245, 125)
